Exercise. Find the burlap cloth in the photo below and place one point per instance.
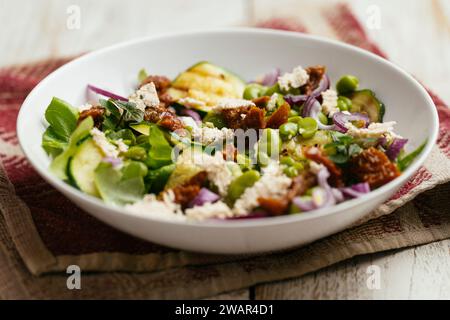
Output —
(41, 232)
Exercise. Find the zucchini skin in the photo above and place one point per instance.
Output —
(366, 101)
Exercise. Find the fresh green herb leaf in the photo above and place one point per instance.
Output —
(156, 179)
(406, 161)
(62, 117)
(131, 112)
(160, 153)
(116, 188)
(126, 135)
(52, 143)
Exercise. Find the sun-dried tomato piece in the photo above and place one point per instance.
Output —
(315, 75)
(315, 154)
(186, 192)
(163, 117)
(278, 206)
(162, 83)
(374, 167)
(244, 118)
(96, 113)
(261, 102)
(279, 117)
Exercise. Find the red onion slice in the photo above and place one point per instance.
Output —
(311, 109)
(340, 119)
(271, 77)
(356, 190)
(105, 93)
(324, 84)
(204, 196)
(190, 113)
(395, 148)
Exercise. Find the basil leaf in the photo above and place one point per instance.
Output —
(62, 117)
(52, 143)
(116, 189)
(131, 112)
(160, 153)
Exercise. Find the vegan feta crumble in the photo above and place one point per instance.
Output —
(329, 102)
(295, 79)
(145, 96)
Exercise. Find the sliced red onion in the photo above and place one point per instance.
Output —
(190, 113)
(304, 204)
(311, 109)
(271, 77)
(204, 196)
(356, 190)
(105, 93)
(340, 119)
(115, 162)
(295, 99)
(324, 84)
(395, 148)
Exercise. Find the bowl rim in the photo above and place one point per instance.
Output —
(239, 223)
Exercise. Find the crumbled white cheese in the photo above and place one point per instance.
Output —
(230, 103)
(84, 107)
(374, 130)
(145, 96)
(189, 122)
(108, 149)
(273, 184)
(208, 135)
(152, 207)
(121, 146)
(217, 169)
(295, 79)
(209, 210)
(329, 102)
(272, 104)
(191, 102)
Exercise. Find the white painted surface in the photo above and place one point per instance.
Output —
(414, 33)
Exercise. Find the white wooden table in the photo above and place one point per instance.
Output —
(414, 33)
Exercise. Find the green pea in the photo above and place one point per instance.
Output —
(253, 90)
(322, 118)
(238, 185)
(136, 153)
(271, 90)
(308, 127)
(288, 130)
(294, 119)
(293, 113)
(291, 172)
(347, 84)
(287, 161)
(299, 166)
(344, 103)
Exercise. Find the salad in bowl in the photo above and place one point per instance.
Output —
(209, 145)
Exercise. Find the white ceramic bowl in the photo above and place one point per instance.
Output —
(248, 52)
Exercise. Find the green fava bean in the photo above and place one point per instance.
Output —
(253, 90)
(291, 172)
(344, 103)
(287, 161)
(347, 84)
(294, 119)
(136, 153)
(288, 130)
(322, 118)
(308, 127)
(238, 185)
(293, 113)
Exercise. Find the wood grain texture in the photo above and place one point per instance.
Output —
(414, 33)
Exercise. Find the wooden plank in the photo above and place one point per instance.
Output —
(235, 295)
(414, 273)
